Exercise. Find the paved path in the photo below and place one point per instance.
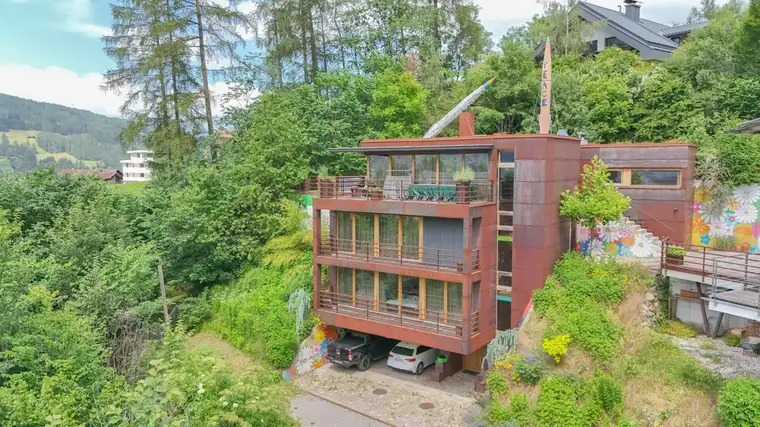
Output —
(315, 412)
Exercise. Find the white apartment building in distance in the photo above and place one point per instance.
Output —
(137, 168)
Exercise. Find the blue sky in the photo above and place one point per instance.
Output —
(50, 49)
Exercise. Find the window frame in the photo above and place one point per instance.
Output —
(626, 175)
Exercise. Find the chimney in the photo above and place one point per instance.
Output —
(632, 9)
(467, 124)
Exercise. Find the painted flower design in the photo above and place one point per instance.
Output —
(626, 232)
(705, 240)
(754, 249)
(596, 248)
(756, 229)
(731, 203)
(643, 247)
(583, 233)
(746, 214)
(700, 227)
(695, 207)
(730, 220)
(721, 229)
(627, 240)
(701, 194)
(711, 213)
(747, 194)
(624, 250)
(611, 233)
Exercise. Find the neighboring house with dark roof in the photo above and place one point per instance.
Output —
(112, 176)
(628, 30)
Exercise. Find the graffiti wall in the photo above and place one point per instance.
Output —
(312, 353)
(619, 238)
(733, 224)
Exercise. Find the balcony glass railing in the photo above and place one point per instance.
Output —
(408, 255)
(405, 188)
(394, 314)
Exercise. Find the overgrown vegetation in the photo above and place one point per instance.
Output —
(737, 403)
(612, 368)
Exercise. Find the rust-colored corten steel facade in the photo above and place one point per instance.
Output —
(664, 207)
(413, 256)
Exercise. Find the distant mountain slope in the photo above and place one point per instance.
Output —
(38, 134)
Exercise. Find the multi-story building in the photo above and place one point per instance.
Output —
(413, 255)
(137, 168)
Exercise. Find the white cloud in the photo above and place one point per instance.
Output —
(77, 17)
(58, 86)
(499, 15)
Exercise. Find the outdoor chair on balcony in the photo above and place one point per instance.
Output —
(394, 187)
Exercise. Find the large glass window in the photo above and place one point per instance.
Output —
(449, 164)
(365, 284)
(389, 288)
(504, 254)
(389, 244)
(410, 292)
(345, 231)
(478, 162)
(365, 233)
(454, 298)
(655, 177)
(402, 165)
(410, 234)
(434, 296)
(345, 281)
(424, 168)
(506, 189)
(378, 168)
(616, 176)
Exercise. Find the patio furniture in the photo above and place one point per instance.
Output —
(433, 192)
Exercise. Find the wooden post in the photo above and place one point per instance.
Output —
(163, 292)
(353, 233)
(377, 290)
(705, 322)
(446, 302)
(421, 239)
(421, 302)
(377, 236)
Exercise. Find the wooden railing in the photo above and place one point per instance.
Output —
(392, 313)
(412, 255)
(406, 189)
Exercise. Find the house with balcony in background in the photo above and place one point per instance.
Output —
(414, 255)
(625, 28)
(137, 167)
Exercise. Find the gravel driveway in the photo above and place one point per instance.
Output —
(715, 354)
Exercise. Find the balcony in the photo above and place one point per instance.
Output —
(402, 188)
(391, 313)
(402, 255)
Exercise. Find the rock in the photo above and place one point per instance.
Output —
(649, 296)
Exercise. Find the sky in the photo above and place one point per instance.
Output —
(50, 50)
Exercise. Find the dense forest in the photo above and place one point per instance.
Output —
(81, 134)
(84, 339)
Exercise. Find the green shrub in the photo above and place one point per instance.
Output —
(677, 329)
(610, 393)
(497, 384)
(565, 401)
(466, 174)
(739, 403)
(724, 243)
(675, 252)
(733, 340)
(193, 312)
(497, 413)
(520, 410)
(557, 346)
(529, 372)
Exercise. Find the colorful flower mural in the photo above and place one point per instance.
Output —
(619, 238)
(737, 218)
(312, 353)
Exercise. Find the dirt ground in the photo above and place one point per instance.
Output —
(396, 398)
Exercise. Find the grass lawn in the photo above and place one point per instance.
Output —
(25, 137)
(130, 187)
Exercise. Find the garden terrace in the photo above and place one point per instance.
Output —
(404, 188)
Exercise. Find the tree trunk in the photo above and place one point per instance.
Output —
(436, 27)
(173, 70)
(312, 41)
(340, 38)
(275, 17)
(324, 42)
(204, 75)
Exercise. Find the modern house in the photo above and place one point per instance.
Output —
(626, 29)
(137, 168)
(111, 176)
(413, 255)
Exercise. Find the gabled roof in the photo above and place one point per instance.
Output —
(682, 29)
(104, 174)
(637, 34)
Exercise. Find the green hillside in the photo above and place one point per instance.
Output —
(35, 134)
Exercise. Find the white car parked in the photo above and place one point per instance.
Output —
(411, 357)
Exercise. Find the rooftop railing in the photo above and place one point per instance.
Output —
(392, 253)
(405, 188)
